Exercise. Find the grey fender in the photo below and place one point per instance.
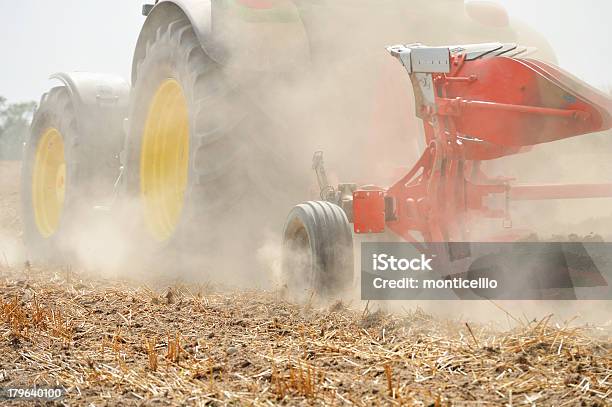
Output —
(97, 98)
(101, 105)
(226, 39)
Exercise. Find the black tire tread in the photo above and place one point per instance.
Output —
(234, 170)
(330, 234)
(56, 110)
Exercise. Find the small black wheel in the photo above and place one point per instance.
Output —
(317, 249)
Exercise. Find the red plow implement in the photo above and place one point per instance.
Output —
(477, 103)
(480, 103)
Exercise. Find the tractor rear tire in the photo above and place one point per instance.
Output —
(201, 162)
(317, 249)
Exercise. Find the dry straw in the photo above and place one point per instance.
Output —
(114, 342)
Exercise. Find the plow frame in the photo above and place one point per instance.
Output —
(446, 189)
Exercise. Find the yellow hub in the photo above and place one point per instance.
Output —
(164, 160)
(49, 182)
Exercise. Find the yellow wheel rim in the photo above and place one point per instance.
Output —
(49, 182)
(164, 160)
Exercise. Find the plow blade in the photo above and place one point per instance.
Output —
(517, 103)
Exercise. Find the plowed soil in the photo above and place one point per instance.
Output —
(109, 342)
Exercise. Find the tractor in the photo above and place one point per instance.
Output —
(203, 149)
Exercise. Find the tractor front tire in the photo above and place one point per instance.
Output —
(49, 176)
(70, 162)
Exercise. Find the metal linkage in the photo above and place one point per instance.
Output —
(327, 192)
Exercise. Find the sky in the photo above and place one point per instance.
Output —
(40, 37)
(580, 32)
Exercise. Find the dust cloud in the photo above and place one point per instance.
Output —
(353, 101)
(11, 247)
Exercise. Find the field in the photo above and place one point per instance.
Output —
(111, 342)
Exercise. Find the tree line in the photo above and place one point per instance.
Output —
(15, 121)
